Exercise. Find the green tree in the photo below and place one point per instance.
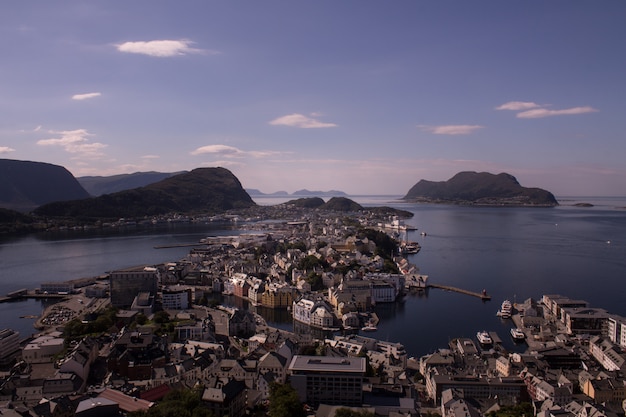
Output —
(347, 412)
(284, 401)
(161, 317)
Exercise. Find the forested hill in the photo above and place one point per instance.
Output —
(480, 188)
(25, 185)
(106, 185)
(203, 190)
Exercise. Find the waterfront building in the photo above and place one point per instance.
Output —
(127, 283)
(556, 303)
(256, 290)
(9, 344)
(96, 291)
(328, 380)
(57, 288)
(277, 295)
(315, 313)
(592, 321)
(616, 330)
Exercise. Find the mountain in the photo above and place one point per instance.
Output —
(96, 186)
(206, 190)
(25, 185)
(331, 193)
(480, 188)
(255, 192)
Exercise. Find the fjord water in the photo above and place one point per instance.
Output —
(512, 253)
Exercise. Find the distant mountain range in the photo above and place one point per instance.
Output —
(51, 191)
(25, 185)
(97, 186)
(480, 188)
(301, 193)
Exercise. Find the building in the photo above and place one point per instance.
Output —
(9, 344)
(176, 298)
(43, 349)
(328, 380)
(57, 288)
(226, 399)
(126, 284)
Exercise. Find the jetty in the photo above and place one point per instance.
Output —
(482, 295)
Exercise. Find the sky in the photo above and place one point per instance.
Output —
(366, 97)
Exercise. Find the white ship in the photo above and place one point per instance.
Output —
(517, 334)
(484, 338)
(506, 309)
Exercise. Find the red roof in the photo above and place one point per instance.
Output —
(156, 393)
(126, 402)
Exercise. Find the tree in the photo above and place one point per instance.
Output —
(161, 317)
(347, 412)
(284, 401)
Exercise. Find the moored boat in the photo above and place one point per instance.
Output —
(506, 309)
(484, 338)
(517, 334)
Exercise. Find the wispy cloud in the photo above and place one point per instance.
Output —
(538, 113)
(518, 105)
(535, 111)
(300, 121)
(450, 129)
(85, 96)
(76, 142)
(162, 48)
(6, 149)
(232, 152)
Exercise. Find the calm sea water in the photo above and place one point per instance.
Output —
(513, 253)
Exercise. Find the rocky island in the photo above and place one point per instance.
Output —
(480, 189)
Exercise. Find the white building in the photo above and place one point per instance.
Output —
(176, 298)
(43, 349)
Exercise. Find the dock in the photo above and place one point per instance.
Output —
(482, 295)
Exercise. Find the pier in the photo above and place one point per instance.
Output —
(482, 295)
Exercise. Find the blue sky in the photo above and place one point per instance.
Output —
(367, 97)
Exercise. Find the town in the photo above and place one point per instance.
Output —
(126, 342)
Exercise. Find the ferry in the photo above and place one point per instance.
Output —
(506, 309)
(409, 247)
(517, 334)
(484, 338)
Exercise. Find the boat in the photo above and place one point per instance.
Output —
(506, 309)
(517, 334)
(484, 338)
(369, 328)
(409, 247)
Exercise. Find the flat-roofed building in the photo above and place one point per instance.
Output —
(9, 342)
(328, 380)
(127, 283)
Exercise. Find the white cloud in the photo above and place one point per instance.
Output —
(301, 121)
(518, 105)
(224, 164)
(217, 149)
(450, 129)
(232, 152)
(538, 113)
(85, 96)
(75, 141)
(161, 48)
(6, 149)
